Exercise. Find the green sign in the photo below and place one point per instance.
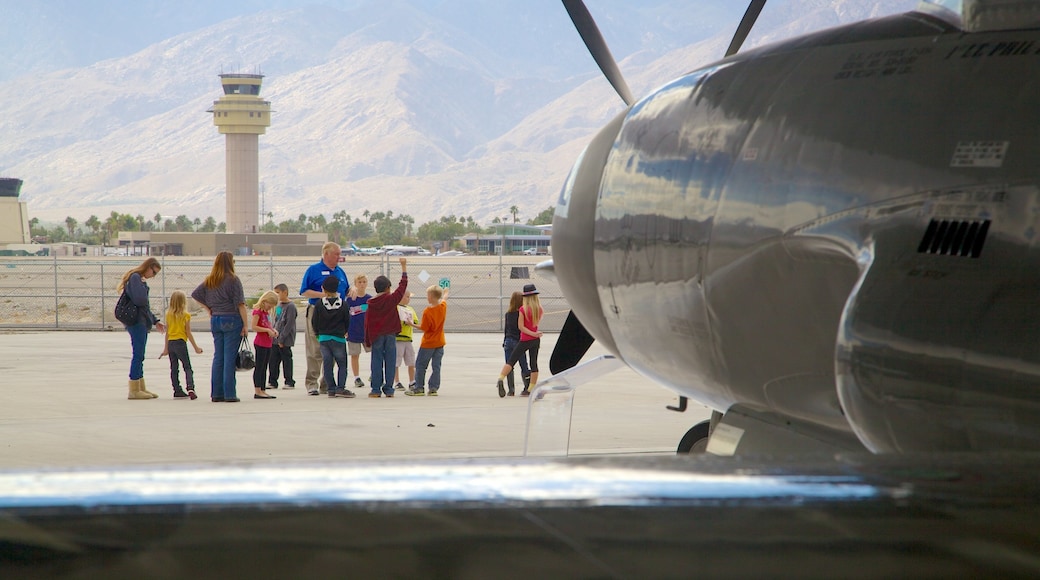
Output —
(444, 283)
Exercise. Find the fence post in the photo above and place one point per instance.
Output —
(102, 295)
(55, 291)
(271, 269)
(163, 270)
(501, 289)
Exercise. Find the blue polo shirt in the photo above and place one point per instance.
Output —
(315, 276)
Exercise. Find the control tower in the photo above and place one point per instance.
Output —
(242, 116)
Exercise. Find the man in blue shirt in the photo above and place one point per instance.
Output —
(311, 289)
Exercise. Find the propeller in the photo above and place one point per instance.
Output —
(746, 23)
(598, 47)
(575, 340)
(573, 343)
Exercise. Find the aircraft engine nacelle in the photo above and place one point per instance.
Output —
(837, 235)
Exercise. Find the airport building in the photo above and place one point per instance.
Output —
(510, 239)
(210, 243)
(14, 214)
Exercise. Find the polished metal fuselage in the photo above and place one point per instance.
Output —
(839, 231)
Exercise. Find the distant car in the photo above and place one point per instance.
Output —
(536, 252)
(395, 253)
(451, 253)
(423, 252)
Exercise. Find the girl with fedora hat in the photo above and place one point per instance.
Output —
(530, 339)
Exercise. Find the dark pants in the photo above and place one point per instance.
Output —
(263, 360)
(509, 345)
(526, 346)
(281, 356)
(178, 351)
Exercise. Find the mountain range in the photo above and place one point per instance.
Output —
(427, 108)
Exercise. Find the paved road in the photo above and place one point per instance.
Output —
(63, 404)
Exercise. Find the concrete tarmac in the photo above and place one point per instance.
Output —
(63, 404)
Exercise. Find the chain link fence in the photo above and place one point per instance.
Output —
(63, 293)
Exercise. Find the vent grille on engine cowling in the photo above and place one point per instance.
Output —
(954, 238)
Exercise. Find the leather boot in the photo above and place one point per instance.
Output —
(135, 390)
(527, 382)
(511, 381)
(146, 391)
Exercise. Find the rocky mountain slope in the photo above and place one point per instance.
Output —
(415, 107)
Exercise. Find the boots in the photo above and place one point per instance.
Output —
(135, 390)
(511, 380)
(527, 382)
(140, 381)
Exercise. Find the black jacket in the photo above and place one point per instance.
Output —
(331, 316)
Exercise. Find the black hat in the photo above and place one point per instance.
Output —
(530, 290)
(331, 284)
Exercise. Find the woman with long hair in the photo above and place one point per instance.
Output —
(221, 294)
(133, 283)
(530, 339)
(511, 338)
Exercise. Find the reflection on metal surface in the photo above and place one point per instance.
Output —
(549, 408)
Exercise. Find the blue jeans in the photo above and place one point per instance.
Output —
(138, 340)
(334, 353)
(227, 334)
(508, 345)
(422, 360)
(384, 363)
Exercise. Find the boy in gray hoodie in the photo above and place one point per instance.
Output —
(285, 325)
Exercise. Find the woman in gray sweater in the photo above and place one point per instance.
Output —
(222, 295)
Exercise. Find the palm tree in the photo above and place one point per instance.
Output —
(94, 224)
(514, 210)
(197, 222)
(70, 223)
(158, 220)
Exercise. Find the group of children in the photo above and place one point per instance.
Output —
(381, 325)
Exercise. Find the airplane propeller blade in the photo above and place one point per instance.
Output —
(746, 23)
(590, 33)
(573, 343)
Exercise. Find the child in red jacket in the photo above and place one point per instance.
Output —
(382, 323)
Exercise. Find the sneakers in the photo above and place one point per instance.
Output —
(192, 395)
(179, 394)
(398, 387)
(501, 389)
(288, 386)
(374, 395)
(272, 386)
(358, 383)
(433, 392)
(313, 393)
(413, 392)
(344, 394)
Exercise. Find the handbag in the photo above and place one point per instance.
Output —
(126, 311)
(245, 359)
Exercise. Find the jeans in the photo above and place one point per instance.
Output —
(178, 350)
(334, 353)
(138, 340)
(227, 334)
(384, 357)
(422, 360)
(508, 345)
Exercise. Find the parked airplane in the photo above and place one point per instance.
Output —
(365, 251)
(832, 241)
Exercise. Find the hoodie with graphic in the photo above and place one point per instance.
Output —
(330, 319)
